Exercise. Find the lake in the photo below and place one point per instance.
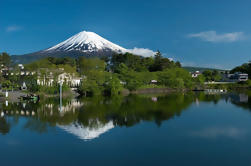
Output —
(174, 129)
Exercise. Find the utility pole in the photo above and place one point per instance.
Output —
(61, 84)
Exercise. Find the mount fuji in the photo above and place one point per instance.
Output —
(88, 44)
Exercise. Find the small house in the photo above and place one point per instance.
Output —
(154, 81)
(196, 74)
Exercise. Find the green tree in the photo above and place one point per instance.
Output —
(211, 75)
(6, 84)
(175, 78)
(161, 63)
(113, 86)
(157, 65)
(245, 68)
(208, 75)
(89, 64)
(5, 59)
(178, 64)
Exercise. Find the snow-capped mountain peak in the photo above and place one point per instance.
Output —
(86, 42)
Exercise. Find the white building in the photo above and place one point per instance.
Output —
(196, 74)
(66, 78)
(238, 77)
(21, 66)
(69, 79)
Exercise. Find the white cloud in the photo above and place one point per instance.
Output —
(13, 28)
(142, 51)
(212, 36)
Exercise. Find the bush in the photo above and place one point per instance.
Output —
(52, 90)
(113, 86)
(175, 78)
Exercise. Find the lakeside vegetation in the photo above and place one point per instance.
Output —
(112, 75)
(127, 71)
(244, 68)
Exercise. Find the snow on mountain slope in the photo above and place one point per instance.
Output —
(86, 42)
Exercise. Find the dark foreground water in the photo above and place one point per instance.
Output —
(176, 129)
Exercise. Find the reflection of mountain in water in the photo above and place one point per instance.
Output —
(87, 133)
(88, 118)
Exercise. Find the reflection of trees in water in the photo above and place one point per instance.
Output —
(36, 125)
(48, 114)
(93, 113)
(4, 126)
(203, 97)
(242, 100)
(131, 110)
(40, 116)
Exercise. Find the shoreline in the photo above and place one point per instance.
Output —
(14, 96)
(157, 90)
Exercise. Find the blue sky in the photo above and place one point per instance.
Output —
(209, 33)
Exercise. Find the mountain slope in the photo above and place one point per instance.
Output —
(85, 43)
(201, 69)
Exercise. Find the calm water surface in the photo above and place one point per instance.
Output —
(176, 129)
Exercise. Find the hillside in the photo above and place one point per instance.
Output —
(201, 69)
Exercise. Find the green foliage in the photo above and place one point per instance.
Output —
(90, 64)
(31, 83)
(94, 83)
(199, 82)
(89, 87)
(175, 78)
(248, 83)
(133, 84)
(245, 68)
(52, 90)
(132, 79)
(53, 64)
(125, 71)
(6, 84)
(212, 75)
(200, 79)
(178, 64)
(161, 63)
(134, 62)
(141, 64)
(5, 59)
(172, 78)
(113, 86)
(62, 61)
